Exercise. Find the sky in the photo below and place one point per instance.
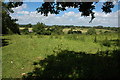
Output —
(27, 14)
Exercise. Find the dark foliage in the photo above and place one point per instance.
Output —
(74, 32)
(56, 30)
(11, 79)
(107, 7)
(8, 24)
(86, 8)
(109, 43)
(27, 25)
(42, 29)
(9, 5)
(39, 28)
(107, 32)
(25, 31)
(106, 42)
(70, 65)
(4, 42)
(115, 42)
(98, 27)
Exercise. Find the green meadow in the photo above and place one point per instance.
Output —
(59, 40)
(22, 50)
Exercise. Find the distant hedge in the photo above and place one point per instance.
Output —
(74, 32)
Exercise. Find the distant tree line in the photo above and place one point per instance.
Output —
(26, 25)
(107, 28)
(42, 29)
(71, 26)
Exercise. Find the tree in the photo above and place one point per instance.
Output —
(8, 24)
(39, 28)
(86, 8)
(29, 25)
(57, 30)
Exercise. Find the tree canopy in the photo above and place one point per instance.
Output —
(8, 24)
(55, 7)
(86, 8)
(9, 5)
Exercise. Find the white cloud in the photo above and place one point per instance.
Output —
(68, 18)
(22, 12)
(69, 14)
(19, 8)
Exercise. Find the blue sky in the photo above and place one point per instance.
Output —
(33, 5)
(27, 14)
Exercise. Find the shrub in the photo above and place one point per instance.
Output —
(25, 31)
(56, 30)
(106, 42)
(107, 32)
(70, 31)
(74, 32)
(41, 29)
(91, 31)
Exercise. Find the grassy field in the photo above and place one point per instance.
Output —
(22, 50)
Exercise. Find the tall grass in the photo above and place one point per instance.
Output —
(23, 50)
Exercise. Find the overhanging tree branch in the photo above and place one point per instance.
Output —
(86, 8)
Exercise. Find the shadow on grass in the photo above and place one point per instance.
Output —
(70, 65)
(116, 42)
(4, 42)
